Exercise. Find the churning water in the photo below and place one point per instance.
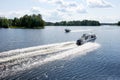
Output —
(23, 59)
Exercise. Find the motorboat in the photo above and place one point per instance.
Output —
(86, 38)
(67, 30)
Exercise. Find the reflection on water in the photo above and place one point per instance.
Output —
(100, 64)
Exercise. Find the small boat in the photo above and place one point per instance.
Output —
(86, 38)
(67, 30)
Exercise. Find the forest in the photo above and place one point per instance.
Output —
(27, 21)
(75, 23)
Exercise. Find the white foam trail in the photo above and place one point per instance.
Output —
(34, 48)
(78, 50)
(34, 51)
(74, 51)
(81, 30)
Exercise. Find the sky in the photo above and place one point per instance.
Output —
(105, 11)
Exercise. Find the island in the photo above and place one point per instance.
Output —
(27, 21)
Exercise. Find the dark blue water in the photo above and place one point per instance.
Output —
(101, 64)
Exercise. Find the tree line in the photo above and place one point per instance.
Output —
(27, 21)
(36, 21)
(75, 23)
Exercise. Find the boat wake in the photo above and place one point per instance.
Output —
(14, 61)
(81, 30)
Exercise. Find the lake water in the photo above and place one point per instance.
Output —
(102, 63)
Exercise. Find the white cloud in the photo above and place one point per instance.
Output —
(58, 2)
(46, 14)
(98, 4)
(66, 6)
(13, 14)
(35, 10)
(62, 9)
(52, 1)
(54, 16)
(1, 15)
(110, 19)
(71, 7)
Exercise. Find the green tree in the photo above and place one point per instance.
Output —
(4, 23)
(32, 21)
(16, 22)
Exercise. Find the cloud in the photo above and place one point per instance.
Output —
(47, 15)
(98, 4)
(58, 2)
(52, 15)
(111, 19)
(20, 13)
(55, 16)
(44, 12)
(71, 7)
(66, 6)
(16, 14)
(2, 15)
(13, 14)
(62, 9)
(51, 1)
(35, 10)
